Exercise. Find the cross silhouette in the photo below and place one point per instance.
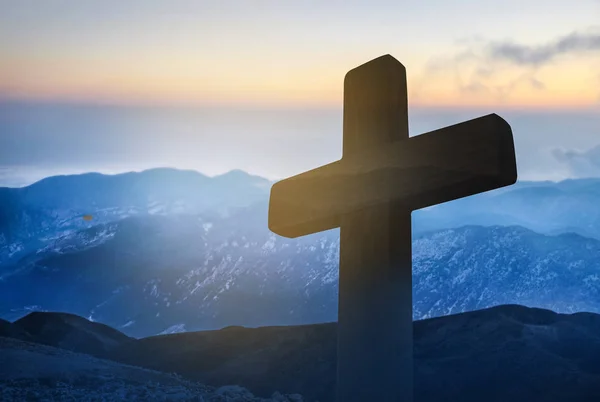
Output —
(369, 194)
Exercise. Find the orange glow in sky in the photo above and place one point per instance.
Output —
(274, 54)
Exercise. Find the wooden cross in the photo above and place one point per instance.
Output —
(369, 194)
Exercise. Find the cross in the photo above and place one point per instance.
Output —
(369, 194)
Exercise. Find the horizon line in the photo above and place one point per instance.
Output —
(271, 180)
(282, 104)
(124, 172)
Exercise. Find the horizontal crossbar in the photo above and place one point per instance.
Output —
(446, 164)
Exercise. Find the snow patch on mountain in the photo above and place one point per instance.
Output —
(128, 324)
(14, 248)
(174, 329)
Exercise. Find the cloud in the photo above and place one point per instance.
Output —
(580, 163)
(498, 68)
(536, 55)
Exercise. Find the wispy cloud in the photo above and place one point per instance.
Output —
(498, 68)
(536, 55)
(580, 163)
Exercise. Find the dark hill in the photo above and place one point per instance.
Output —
(506, 353)
(4, 326)
(71, 332)
(33, 372)
(7, 329)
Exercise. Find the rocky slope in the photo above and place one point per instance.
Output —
(35, 372)
(177, 273)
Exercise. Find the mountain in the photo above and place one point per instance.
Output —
(544, 207)
(503, 353)
(169, 251)
(71, 332)
(53, 207)
(32, 216)
(35, 372)
(150, 273)
(474, 267)
(154, 274)
(9, 330)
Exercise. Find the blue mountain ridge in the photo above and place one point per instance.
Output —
(170, 251)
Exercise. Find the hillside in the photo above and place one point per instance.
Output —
(70, 332)
(35, 372)
(505, 353)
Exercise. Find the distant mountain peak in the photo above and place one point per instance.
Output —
(235, 173)
(161, 171)
(168, 171)
(238, 174)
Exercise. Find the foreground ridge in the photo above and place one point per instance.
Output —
(544, 355)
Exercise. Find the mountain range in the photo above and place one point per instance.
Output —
(498, 354)
(171, 251)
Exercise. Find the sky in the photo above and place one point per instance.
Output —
(257, 85)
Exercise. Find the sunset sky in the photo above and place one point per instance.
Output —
(536, 60)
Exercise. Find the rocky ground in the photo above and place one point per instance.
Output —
(35, 372)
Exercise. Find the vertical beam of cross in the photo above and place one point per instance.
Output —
(375, 285)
